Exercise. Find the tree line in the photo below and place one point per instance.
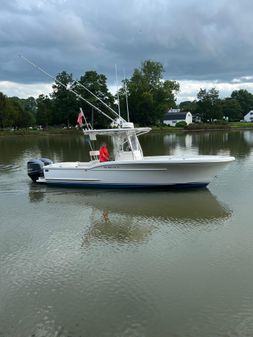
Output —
(149, 97)
(209, 106)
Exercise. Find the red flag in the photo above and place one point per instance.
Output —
(80, 119)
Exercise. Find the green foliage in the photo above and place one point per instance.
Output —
(23, 114)
(13, 113)
(208, 105)
(241, 125)
(207, 126)
(231, 108)
(96, 83)
(65, 104)
(61, 108)
(245, 99)
(188, 106)
(149, 96)
(44, 111)
(3, 100)
(181, 124)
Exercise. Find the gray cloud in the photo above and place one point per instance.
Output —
(193, 39)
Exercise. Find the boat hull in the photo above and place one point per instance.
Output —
(151, 172)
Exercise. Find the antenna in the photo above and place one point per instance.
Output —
(116, 73)
(126, 93)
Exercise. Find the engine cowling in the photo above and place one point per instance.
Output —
(35, 168)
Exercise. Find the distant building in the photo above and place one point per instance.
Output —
(248, 117)
(173, 116)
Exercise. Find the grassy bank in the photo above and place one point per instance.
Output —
(205, 127)
(241, 125)
(192, 127)
(44, 132)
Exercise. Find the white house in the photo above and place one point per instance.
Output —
(248, 117)
(173, 116)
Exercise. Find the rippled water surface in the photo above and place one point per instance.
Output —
(77, 262)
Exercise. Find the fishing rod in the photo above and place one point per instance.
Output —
(99, 99)
(67, 88)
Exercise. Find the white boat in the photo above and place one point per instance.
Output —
(129, 168)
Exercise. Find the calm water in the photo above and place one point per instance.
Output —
(131, 264)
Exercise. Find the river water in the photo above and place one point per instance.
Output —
(76, 262)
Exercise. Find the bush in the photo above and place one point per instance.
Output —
(207, 126)
(181, 124)
(221, 122)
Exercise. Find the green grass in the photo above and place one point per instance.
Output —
(241, 125)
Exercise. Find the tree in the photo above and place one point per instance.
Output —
(231, 108)
(244, 98)
(12, 113)
(2, 108)
(208, 105)
(188, 106)
(24, 114)
(95, 83)
(29, 104)
(64, 102)
(44, 111)
(149, 95)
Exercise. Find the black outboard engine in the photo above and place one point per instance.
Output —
(46, 161)
(35, 168)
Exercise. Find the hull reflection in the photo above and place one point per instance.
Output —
(194, 205)
(132, 217)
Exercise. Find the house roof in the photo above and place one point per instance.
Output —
(169, 116)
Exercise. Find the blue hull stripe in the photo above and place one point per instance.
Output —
(128, 186)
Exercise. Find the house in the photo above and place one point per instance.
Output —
(173, 116)
(248, 117)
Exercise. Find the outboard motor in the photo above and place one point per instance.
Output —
(35, 168)
(46, 161)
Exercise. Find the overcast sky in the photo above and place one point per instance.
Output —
(201, 44)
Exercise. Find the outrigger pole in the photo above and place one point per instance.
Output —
(99, 99)
(75, 93)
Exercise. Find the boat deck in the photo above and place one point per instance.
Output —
(205, 159)
(75, 164)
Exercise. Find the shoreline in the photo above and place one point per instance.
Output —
(58, 131)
